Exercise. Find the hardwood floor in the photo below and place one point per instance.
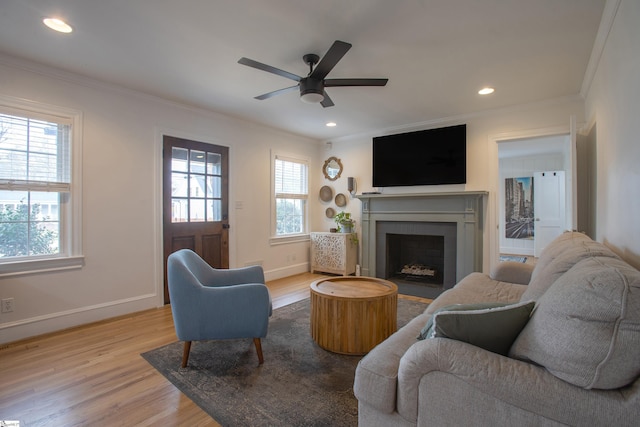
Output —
(94, 375)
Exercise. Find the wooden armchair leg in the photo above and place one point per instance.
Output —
(185, 353)
(258, 345)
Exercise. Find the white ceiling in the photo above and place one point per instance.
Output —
(436, 53)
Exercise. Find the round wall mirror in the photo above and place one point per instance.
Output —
(332, 168)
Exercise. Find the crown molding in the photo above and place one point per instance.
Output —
(459, 119)
(606, 24)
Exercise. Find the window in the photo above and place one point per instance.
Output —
(196, 185)
(291, 194)
(37, 200)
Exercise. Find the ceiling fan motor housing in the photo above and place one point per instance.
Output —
(311, 90)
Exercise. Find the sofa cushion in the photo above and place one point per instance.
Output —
(492, 328)
(478, 288)
(586, 328)
(512, 272)
(558, 257)
(554, 249)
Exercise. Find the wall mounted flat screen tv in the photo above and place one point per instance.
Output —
(426, 157)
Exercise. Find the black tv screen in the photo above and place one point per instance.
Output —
(426, 157)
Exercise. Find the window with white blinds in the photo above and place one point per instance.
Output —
(36, 175)
(291, 194)
(34, 154)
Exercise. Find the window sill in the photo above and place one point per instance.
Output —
(292, 238)
(15, 268)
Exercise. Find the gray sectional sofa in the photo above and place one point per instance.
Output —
(576, 360)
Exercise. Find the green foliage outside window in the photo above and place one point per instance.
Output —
(21, 235)
(289, 216)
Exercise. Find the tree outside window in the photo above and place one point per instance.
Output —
(25, 232)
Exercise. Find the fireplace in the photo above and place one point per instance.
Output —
(435, 238)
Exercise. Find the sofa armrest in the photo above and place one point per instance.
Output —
(376, 377)
(512, 272)
(517, 383)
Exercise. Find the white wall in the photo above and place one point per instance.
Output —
(483, 132)
(613, 103)
(122, 139)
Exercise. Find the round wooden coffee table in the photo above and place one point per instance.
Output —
(351, 315)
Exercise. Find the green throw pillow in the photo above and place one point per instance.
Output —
(429, 332)
(492, 326)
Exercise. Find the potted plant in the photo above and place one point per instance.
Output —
(344, 221)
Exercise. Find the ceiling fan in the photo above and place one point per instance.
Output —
(312, 87)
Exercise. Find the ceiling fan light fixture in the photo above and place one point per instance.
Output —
(312, 97)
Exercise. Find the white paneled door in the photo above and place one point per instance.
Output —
(548, 207)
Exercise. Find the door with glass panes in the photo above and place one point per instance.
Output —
(195, 201)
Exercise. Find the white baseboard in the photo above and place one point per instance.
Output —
(27, 328)
(287, 271)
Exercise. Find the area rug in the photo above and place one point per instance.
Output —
(299, 384)
(513, 258)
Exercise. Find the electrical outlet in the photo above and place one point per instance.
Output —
(7, 305)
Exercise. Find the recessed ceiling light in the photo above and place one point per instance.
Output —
(331, 124)
(486, 91)
(57, 24)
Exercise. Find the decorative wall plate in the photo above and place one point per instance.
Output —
(330, 213)
(326, 193)
(341, 200)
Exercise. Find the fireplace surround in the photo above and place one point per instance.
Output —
(455, 219)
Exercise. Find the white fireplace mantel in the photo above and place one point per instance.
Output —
(465, 209)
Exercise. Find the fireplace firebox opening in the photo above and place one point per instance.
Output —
(425, 250)
(416, 259)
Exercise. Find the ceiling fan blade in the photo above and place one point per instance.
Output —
(276, 92)
(326, 102)
(330, 59)
(355, 82)
(268, 68)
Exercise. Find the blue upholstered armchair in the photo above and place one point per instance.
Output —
(215, 304)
